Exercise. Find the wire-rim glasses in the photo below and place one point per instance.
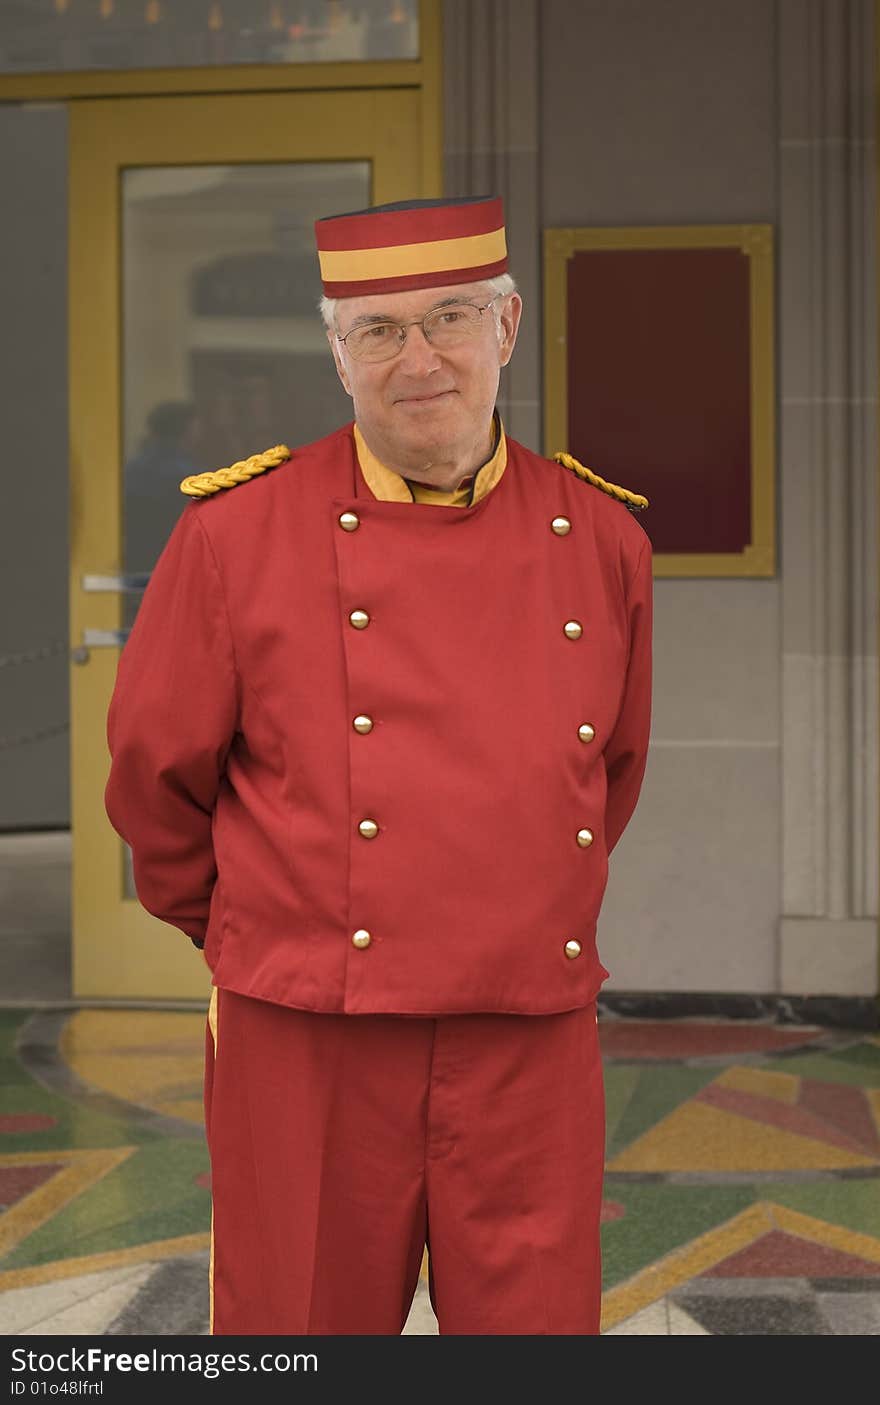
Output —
(447, 325)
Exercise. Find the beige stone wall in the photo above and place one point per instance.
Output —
(751, 863)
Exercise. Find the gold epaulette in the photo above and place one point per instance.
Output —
(634, 501)
(201, 485)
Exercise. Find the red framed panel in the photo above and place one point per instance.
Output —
(659, 378)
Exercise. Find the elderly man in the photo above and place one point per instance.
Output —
(382, 717)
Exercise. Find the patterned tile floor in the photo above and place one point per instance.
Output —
(742, 1194)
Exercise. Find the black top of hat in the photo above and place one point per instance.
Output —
(412, 205)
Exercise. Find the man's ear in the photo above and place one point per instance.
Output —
(508, 326)
(337, 358)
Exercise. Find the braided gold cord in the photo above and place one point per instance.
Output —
(635, 501)
(200, 485)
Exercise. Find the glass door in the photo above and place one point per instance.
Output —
(195, 341)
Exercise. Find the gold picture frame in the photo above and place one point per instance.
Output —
(758, 558)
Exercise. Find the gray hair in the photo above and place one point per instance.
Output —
(501, 287)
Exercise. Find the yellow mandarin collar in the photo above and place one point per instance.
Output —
(388, 486)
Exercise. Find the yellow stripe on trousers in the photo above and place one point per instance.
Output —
(212, 1025)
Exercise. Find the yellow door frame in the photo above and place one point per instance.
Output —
(386, 112)
(119, 951)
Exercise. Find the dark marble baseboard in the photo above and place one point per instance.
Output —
(834, 1011)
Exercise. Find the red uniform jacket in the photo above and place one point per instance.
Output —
(240, 782)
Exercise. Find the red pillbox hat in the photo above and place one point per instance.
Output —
(412, 244)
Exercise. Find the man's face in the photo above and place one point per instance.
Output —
(427, 404)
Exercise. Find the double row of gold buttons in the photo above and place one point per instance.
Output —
(368, 828)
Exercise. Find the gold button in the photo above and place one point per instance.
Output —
(573, 630)
(368, 828)
(585, 838)
(586, 732)
(359, 618)
(349, 521)
(561, 526)
(363, 724)
(572, 949)
(362, 939)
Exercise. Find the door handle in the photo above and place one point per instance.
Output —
(104, 638)
(98, 639)
(122, 584)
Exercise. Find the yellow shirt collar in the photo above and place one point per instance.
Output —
(388, 486)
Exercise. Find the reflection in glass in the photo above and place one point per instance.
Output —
(166, 453)
(224, 351)
(57, 36)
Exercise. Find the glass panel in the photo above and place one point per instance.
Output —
(55, 36)
(224, 351)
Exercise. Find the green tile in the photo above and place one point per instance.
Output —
(77, 1126)
(660, 1089)
(853, 1204)
(863, 1055)
(620, 1081)
(660, 1218)
(151, 1196)
(10, 1023)
(858, 1067)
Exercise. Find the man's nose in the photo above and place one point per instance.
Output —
(418, 356)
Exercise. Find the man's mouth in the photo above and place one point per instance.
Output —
(423, 399)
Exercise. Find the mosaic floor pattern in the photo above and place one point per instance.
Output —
(742, 1191)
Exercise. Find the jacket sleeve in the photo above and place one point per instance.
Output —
(171, 721)
(626, 752)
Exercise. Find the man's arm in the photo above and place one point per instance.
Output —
(171, 721)
(627, 750)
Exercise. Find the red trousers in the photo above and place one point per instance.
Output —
(342, 1145)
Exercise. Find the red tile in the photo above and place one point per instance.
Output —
(772, 1113)
(781, 1255)
(16, 1181)
(611, 1210)
(845, 1107)
(674, 1039)
(26, 1122)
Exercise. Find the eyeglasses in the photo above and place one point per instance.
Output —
(449, 325)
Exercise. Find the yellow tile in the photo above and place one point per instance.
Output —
(148, 1057)
(80, 1169)
(112, 1258)
(109, 1031)
(832, 1236)
(697, 1137)
(782, 1087)
(190, 1109)
(683, 1264)
(701, 1254)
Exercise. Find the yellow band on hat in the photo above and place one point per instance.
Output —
(400, 260)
